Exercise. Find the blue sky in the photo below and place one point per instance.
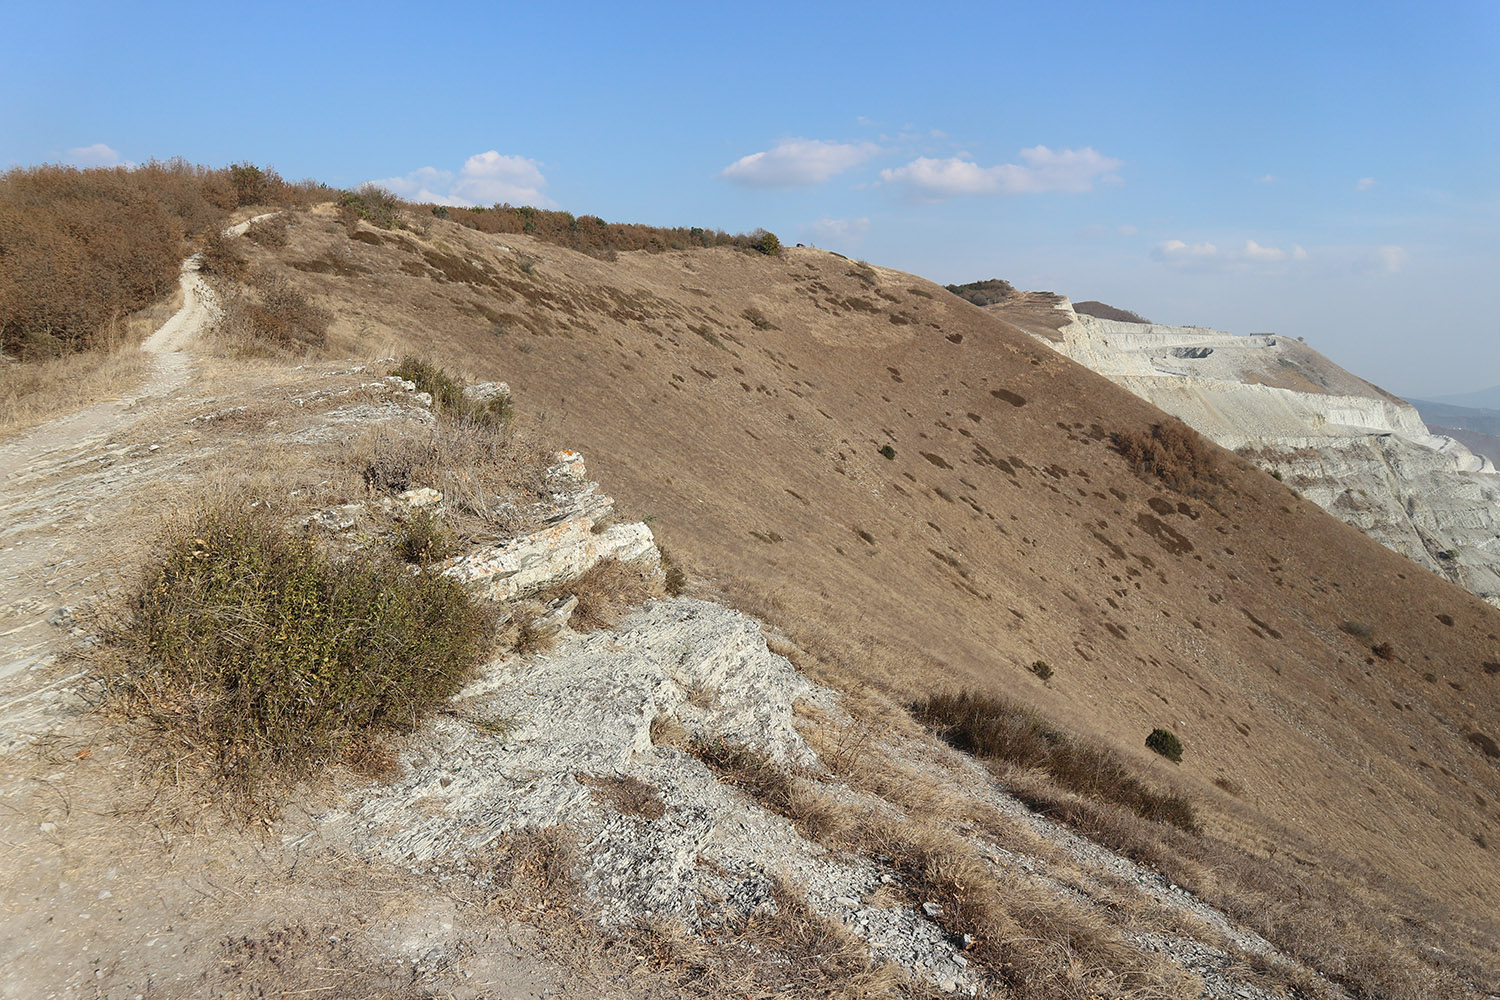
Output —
(1330, 171)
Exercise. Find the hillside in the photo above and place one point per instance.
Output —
(1351, 447)
(743, 401)
(918, 498)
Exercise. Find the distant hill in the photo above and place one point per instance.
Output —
(1105, 311)
(1465, 418)
(1484, 399)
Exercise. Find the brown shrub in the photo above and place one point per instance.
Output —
(271, 314)
(221, 258)
(1172, 452)
(270, 232)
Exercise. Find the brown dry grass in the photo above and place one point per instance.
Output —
(998, 729)
(33, 392)
(493, 479)
(789, 951)
(627, 795)
(606, 592)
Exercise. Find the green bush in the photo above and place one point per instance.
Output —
(421, 538)
(984, 293)
(887, 451)
(767, 243)
(271, 659)
(1166, 743)
(374, 204)
(1042, 669)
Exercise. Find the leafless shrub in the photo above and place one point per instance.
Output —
(1174, 453)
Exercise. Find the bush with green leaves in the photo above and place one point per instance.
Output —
(1166, 743)
(372, 203)
(767, 243)
(267, 658)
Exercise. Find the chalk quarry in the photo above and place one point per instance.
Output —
(1352, 448)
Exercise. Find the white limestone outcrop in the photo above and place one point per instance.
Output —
(564, 550)
(1354, 449)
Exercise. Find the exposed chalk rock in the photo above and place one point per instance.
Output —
(567, 548)
(532, 563)
(711, 855)
(1355, 450)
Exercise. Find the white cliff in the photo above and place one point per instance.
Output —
(1350, 447)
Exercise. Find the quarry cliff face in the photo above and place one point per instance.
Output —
(1350, 447)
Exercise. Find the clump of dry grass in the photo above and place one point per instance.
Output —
(627, 795)
(606, 591)
(493, 480)
(1000, 730)
(773, 786)
(537, 863)
(784, 950)
(524, 634)
(32, 392)
(1033, 943)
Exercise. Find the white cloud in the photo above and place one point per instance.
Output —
(1266, 179)
(1174, 251)
(843, 231)
(1041, 169)
(1126, 230)
(797, 163)
(1254, 251)
(1209, 255)
(97, 155)
(487, 178)
(1364, 184)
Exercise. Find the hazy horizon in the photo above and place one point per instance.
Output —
(1325, 172)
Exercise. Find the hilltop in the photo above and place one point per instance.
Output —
(919, 498)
